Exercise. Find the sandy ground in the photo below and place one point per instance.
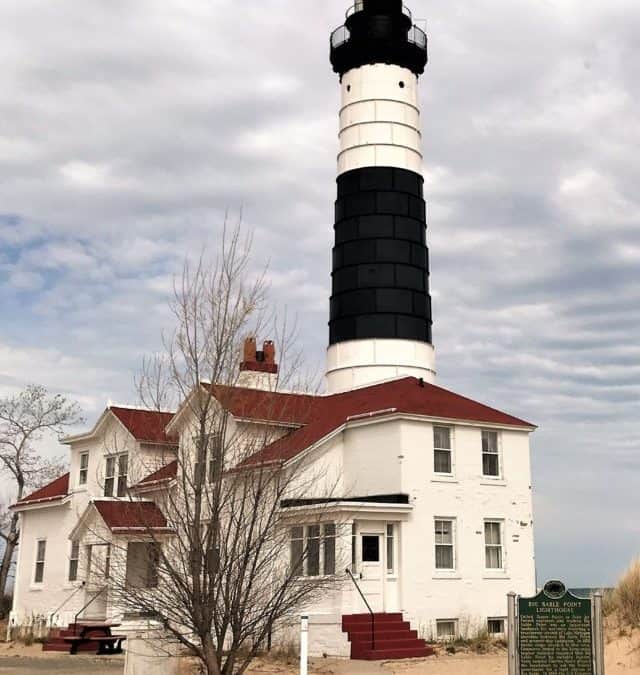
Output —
(622, 658)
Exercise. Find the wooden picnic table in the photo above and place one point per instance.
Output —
(97, 631)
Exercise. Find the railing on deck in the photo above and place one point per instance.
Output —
(373, 616)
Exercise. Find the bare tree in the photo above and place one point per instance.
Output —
(24, 419)
(218, 574)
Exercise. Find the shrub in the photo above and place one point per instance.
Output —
(626, 596)
(5, 606)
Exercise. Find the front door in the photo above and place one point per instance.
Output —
(98, 561)
(371, 570)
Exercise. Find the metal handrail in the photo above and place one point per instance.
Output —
(373, 616)
(79, 588)
(415, 36)
(358, 6)
(75, 620)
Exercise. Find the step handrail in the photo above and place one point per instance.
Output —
(75, 620)
(55, 612)
(373, 616)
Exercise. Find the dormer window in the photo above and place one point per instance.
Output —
(115, 475)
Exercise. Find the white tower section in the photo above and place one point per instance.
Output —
(379, 127)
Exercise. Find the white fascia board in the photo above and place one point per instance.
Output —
(45, 503)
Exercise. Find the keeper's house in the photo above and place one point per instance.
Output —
(434, 490)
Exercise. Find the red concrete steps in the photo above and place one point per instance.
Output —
(393, 637)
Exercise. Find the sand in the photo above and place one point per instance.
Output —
(622, 658)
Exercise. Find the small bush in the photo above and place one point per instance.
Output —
(5, 606)
(626, 596)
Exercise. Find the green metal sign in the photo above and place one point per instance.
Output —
(554, 633)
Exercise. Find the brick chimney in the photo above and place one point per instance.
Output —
(256, 361)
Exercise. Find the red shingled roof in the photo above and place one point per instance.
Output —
(131, 517)
(404, 396)
(145, 425)
(166, 473)
(256, 404)
(56, 489)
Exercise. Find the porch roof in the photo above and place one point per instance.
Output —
(131, 517)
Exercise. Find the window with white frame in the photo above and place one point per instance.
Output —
(445, 544)
(41, 552)
(391, 537)
(211, 457)
(313, 549)
(442, 458)
(116, 474)
(74, 560)
(495, 627)
(494, 554)
(490, 454)
(84, 468)
(446, 629)
(123, 474)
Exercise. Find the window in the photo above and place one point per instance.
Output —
(84, 468)
(442, 450)
(74, 558)
(214, 447)
(446, 629)
(445, 558)
(297, 550)
(116, 475)
(490, 455)
(313, 549)
(370, 548)
(109, 476)
(329, 540)
(107, 561)
(41, 549)
(493, 545)
(390, 548)
(495, 627)
(123, 470)
(143, 562)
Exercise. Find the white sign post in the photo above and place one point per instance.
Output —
(304, 644)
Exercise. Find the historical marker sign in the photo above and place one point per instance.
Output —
(555, 633)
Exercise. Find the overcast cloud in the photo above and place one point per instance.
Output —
(128, 127)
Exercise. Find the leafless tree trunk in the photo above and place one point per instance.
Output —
(221, 580)
(24, 418)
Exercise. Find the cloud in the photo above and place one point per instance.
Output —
(129, 129)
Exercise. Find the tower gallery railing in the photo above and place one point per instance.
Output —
(373, 616)
(416, 36)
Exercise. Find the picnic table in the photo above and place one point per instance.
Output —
(96, 631)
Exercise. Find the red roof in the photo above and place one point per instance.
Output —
(257, 404)
(124, 517)
(145, 425)
(403, 396)
(57, 489)
(166, 473)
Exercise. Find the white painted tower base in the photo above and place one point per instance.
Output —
(358, 363)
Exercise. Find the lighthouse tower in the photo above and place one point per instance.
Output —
(380, 322)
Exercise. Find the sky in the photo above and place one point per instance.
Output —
(128, 128)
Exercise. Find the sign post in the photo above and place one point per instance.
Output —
(304, 644)
(555, 632)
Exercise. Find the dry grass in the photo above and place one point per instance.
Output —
(624, 600)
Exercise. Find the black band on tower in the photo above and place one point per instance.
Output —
(380, 274)
(378, 31)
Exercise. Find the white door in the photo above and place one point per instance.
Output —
(371, 581)
(98, 561)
